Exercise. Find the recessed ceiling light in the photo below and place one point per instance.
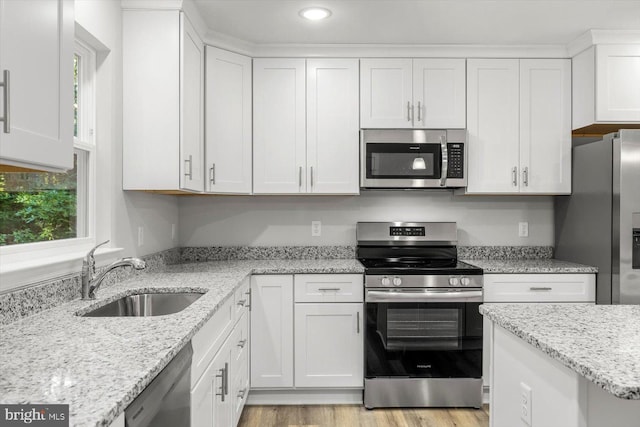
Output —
(315, 13)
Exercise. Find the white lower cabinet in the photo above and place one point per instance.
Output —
(328, 345)
(219, 393)
(317, 350)
(272, 331)
(532, 288)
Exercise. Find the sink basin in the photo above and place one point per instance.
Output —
(148, 304)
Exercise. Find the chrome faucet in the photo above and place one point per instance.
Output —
(91, 282)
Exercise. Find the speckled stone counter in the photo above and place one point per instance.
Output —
(99, 365)
(522, 266)
(599, 342)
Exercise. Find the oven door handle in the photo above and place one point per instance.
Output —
(424, 296)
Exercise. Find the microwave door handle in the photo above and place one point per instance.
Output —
(444, 162)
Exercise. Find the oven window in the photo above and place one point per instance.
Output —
(424, 340)
(412, 161)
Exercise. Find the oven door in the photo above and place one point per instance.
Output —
(419, 333)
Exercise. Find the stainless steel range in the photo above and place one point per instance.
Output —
(423, 342)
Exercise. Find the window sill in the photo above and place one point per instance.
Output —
(22, 274)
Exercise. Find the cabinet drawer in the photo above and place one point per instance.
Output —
(328, 288)
(242, 299)
(209, 339)
(239, 341)
(539, 288)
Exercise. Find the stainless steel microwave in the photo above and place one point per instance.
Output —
(413, 158)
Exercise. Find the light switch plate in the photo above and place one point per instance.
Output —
(525, 403)
(523, 229)
(316, 228)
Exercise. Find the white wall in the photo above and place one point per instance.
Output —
(156, 213)
(286, 220)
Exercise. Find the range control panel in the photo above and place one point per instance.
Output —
(406, 231)
(456, 160)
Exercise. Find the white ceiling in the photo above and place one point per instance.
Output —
(474, 22)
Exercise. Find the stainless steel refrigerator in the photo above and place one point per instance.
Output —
(599, 224)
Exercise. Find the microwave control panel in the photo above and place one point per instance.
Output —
(456, 160)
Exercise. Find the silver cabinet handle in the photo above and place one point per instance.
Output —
(329, 289)
(242, 393)
(225, 381)
(248, 294)
(525, 176)
(6, 101)
(419, 111)
(514, 176)
(445, 162)
(408, 111)
(222, 375)
(212, 174)
(242, 302)
(540, 288)
(190, 162)
(242, 343)
(311, 174)
(358, 322)
(300, 177)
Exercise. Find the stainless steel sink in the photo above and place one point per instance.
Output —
(148, 304)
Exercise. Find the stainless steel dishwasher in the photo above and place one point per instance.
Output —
(167, 400)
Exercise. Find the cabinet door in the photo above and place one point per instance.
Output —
(279, 156)
(332, 126)
(271, 331)
(228, 122)
(210, 397)
(440, 93)
(545, 126)
(493, 125)
(329, 345)
(191, 107)
(386, 93)
(36, 48)
(618, 85)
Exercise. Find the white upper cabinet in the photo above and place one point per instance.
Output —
(279, 148)
(406, 93)
(545, 126)
(439, 93)
(306, 133)
(228, 122)
(332, 126)
(606, 86)
(519, 126)
(492, 123)
(163, 62)
(386, 93)
(36, 91)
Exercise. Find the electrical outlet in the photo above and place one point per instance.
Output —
(173, 232)
(523, 229)
(316, 228)
(525, 403)
(140, 235)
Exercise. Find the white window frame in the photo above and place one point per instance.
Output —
(27, 264)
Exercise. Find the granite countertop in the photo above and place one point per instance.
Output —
(599, 342)
(522, 266)
(99, 365)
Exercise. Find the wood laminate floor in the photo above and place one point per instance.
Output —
(358, 416)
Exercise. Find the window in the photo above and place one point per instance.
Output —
(41, 206)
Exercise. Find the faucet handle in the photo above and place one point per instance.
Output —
(90, 260)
